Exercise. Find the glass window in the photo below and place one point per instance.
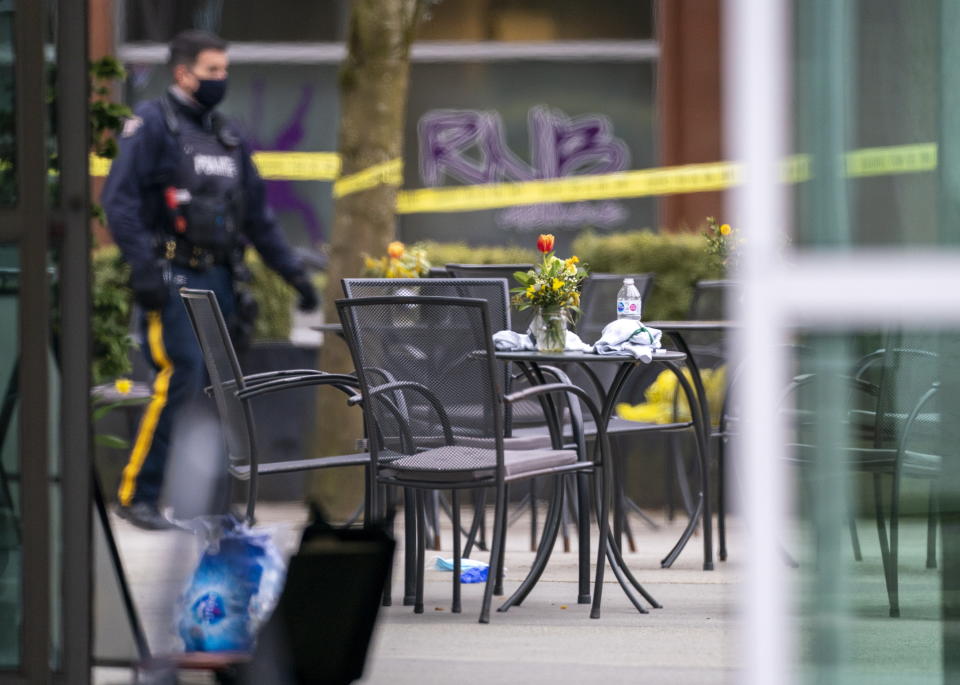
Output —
(10, 557)
(238, 20)
(870, 459)
(8, 151)
(308, 20)
(867, 100)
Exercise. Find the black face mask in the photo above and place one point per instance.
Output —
(210, 92)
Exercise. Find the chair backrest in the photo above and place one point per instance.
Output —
(906, 372)
(427, 373)
(226, 377)
(708, 304)
(520, 321)
(709, 300)
(598, 301)
(493, 290)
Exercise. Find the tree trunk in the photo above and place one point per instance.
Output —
(373, 98)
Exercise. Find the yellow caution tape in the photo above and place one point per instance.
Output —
(691, 178)
(387, 173)
(298, 166)
(896, 159)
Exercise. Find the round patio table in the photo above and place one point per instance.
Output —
(530, 362)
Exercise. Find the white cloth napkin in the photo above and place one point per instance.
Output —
(511, 341)
(630, 337)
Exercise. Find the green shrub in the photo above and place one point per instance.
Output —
(461, 253)
(275, 298)
(677, 261)
(111, 315)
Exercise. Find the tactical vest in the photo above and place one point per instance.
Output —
(205, 203)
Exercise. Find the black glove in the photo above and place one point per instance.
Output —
(149, 289)
(309, 300)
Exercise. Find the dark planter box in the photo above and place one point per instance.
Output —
(284, 420)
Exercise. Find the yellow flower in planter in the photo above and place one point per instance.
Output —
(123, 385)
(399, 262)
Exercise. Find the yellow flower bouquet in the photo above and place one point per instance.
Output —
(553, 289)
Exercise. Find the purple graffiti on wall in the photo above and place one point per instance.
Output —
(281, 195)
(469, 146)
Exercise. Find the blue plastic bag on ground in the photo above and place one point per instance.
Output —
(232, 592)
(471, 570)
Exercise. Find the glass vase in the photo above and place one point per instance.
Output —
(550, 329)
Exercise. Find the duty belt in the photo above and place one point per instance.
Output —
(194, 256)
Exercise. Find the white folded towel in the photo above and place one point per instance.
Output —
(511, 341)
(627, 336)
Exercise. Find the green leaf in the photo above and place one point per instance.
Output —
(113, 441)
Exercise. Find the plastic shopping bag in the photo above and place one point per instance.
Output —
(233, 590)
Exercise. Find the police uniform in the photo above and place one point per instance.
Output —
(181, 200)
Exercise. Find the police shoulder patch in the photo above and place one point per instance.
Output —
(131, 126)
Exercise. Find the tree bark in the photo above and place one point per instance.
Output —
(373, 98)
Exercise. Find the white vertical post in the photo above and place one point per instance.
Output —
(757, 86)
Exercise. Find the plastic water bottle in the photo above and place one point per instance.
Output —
(628, 301)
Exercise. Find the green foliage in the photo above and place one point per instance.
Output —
(677, 261)
(106, 117)
(110, 320)
(275, 299)
(461, 253)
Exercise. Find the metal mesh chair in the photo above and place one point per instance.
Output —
(708, 304)
(520, 321)
(893, 429)
(527, 412)
(233, 393)
(416, 357)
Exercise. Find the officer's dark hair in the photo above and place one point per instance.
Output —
(186, 45)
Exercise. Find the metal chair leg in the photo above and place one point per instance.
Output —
(499, 531)
(583, 531)
(547, 542)
(455, 506)
(932, 515)
(479, 496)
(894, 588)
(533, 514)
(498, 568)
(882, 533)
(721, 497)
(604, 539)
(410, 536)
(421, 550)
(854, 538)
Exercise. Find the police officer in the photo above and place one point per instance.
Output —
(182, 198)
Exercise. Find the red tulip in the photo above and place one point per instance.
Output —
(545, 242)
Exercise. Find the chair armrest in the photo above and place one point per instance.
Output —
(342, 382)
(576, 391)
(576, 415)
(257, 378)
(420, 388)
(912, 418)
